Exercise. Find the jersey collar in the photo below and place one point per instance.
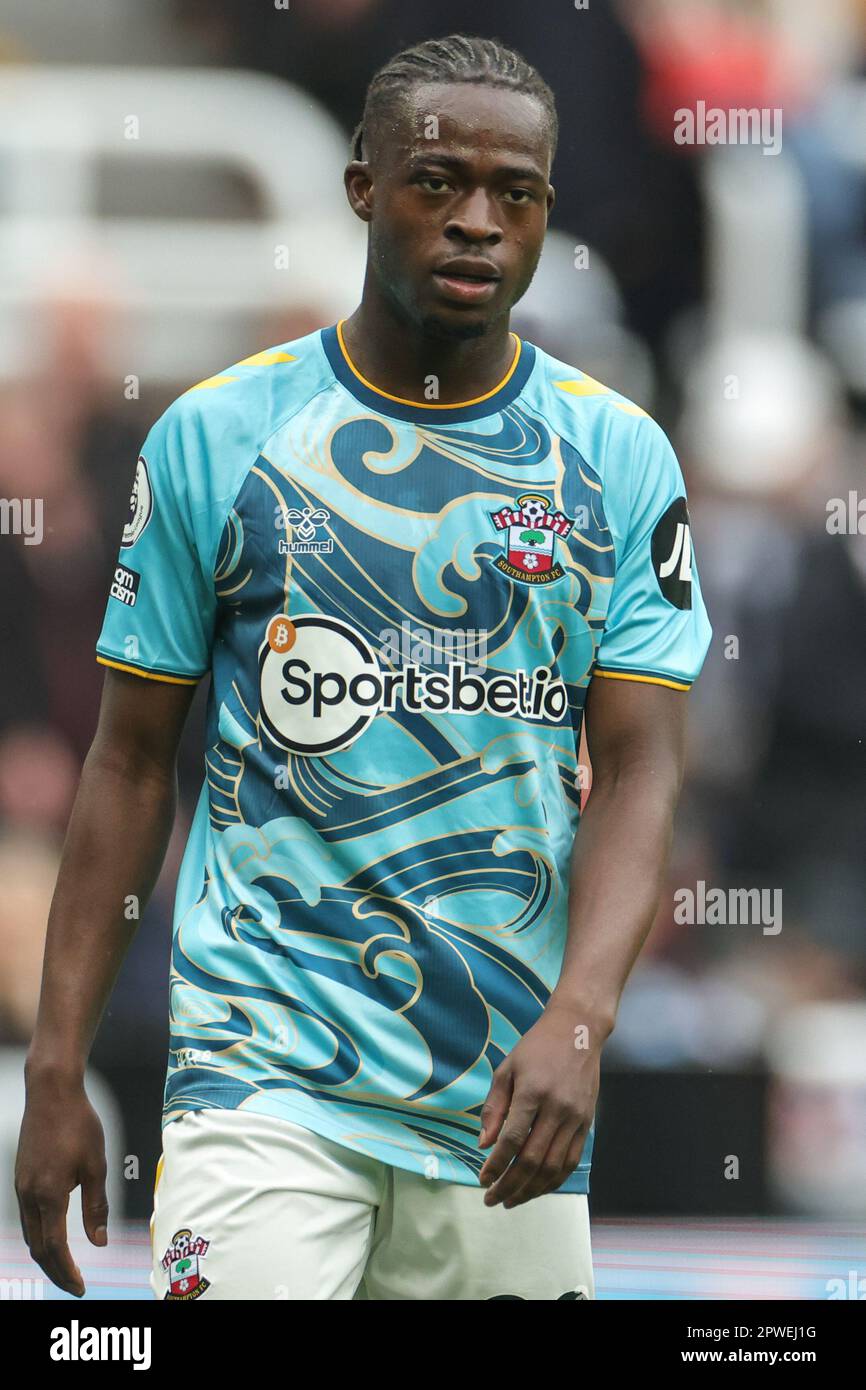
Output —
(423, 412)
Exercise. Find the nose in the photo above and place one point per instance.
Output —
(474, 220)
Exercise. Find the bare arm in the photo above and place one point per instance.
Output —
(115, 845)
(636, 740)
(543, 1095)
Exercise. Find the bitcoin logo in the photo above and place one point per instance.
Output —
(281, 634)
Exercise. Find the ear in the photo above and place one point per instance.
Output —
(359, 188)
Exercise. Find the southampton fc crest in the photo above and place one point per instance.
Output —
(531, 532)
(181, 1262)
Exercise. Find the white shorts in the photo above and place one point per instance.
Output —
(254, 1207)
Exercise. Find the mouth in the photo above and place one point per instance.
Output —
(464, 285)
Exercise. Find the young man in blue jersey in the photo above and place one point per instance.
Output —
(411, 550)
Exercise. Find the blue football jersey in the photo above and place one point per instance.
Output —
(401, 606)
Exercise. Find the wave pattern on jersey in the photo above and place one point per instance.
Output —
(351, 898)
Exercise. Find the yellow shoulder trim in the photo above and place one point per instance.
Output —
(268, 358)
(211, 384)
(148, 675)
(588, 386)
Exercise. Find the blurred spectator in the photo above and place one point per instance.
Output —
(38, 778)
(28, 869)
(761, 436)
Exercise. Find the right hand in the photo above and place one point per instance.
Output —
(61, 1146)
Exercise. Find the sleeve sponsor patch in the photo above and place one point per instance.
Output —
(124, 586)
(672, 554)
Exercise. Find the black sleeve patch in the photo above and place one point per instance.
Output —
(125, 585)
(672, 554)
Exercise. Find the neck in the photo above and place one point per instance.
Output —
(398, 357)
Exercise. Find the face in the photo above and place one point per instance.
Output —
(457, 199)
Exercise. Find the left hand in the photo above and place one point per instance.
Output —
(540, 1105)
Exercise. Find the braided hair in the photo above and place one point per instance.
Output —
(457, 58)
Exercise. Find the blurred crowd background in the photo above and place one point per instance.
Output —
(154, 158)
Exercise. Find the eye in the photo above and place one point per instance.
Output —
(522, 193)
(430, 179)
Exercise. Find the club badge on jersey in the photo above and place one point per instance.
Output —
(531, 533)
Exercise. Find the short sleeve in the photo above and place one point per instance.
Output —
(160, 611)
(657, 627)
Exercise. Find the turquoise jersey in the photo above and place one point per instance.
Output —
(401, 606)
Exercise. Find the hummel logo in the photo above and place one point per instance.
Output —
(304, 524)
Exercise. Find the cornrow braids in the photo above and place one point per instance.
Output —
(458, 58)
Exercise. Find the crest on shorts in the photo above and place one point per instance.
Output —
(531, 532)
(182, 1262)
